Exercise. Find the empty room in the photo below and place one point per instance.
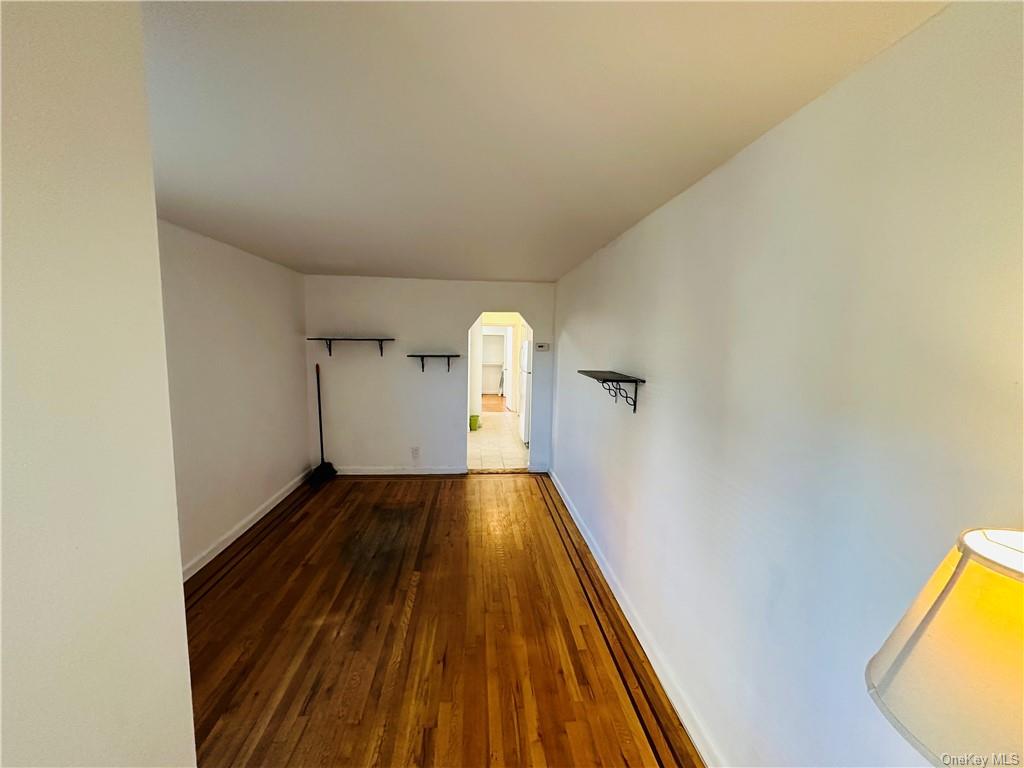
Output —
(470, 384)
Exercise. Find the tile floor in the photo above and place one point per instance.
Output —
(496, 445)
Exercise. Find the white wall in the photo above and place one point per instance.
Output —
(493, 359)
(475, 369)
(376, 409)
(95, 665)
(830, 325)
(236, 359)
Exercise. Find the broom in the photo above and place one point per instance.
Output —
(326, 470)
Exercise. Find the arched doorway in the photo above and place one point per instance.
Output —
(500, 370)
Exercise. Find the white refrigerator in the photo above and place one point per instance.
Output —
(525, 389)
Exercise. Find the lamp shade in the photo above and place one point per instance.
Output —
(950, 677)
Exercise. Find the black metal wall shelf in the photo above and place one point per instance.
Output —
(614, 384)
(423, 359)
(329, 340)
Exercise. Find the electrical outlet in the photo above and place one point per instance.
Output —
(415, 451)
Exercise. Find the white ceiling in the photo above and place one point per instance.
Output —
(471, 141)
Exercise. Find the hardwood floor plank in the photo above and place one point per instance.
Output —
(654, 707)
(427, 621)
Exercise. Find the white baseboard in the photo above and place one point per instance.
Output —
(698, 734)
(461, 470)
(243, 525)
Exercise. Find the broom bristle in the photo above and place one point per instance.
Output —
(322, 474)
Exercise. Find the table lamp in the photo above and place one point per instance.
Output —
(950, 677)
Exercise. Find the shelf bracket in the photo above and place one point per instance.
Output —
(617, 390)
(329, 341)
(615, 384)
(424, 355)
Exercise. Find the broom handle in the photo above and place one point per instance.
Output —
(319, 413)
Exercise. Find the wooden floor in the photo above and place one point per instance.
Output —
(394, 621)
(492, 403)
